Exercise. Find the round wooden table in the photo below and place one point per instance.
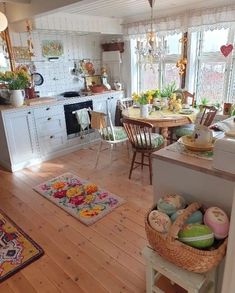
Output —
(161, 119)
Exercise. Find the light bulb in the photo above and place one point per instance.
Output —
(3, 22)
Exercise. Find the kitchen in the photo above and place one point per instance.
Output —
(42, 139)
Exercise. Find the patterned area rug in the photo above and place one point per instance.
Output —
(80, 198)
(17, 249)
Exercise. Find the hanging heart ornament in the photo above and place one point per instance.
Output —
(226, 49)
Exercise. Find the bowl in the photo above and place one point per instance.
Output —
(97, 88)
(189, 144)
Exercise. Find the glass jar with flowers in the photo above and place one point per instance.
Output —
(16, 81)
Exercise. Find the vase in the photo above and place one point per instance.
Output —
(144, 111)
(17, 98)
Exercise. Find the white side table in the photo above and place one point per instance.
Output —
(192, 282)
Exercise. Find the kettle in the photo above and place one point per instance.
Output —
(117, 86)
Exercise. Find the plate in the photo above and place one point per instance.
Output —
(186, 111)
(190, 144)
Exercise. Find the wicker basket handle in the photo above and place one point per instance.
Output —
(180, 221)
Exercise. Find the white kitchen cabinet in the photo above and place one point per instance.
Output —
(21, 139)
(51, 129)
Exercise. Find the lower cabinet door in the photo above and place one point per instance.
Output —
(21, 137)
(52, 143)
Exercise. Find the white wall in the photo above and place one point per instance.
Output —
(57, 76)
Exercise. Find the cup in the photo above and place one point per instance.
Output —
(227, 108)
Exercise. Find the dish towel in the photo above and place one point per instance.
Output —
(83, 118)
(98, 120)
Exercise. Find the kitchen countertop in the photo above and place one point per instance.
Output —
(58, 100)
(197, 164)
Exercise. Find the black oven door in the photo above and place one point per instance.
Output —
(72, 125)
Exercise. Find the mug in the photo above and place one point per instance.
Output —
(202, 135)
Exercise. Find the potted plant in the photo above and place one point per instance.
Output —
(16, 81)
(204, 102)
(168, 90)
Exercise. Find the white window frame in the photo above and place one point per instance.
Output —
(216, 57)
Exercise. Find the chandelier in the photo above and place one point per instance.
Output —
(150, 49)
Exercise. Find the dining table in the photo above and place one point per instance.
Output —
(162, 119)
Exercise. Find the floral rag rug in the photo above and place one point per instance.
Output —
(80, 198)
(17, 249)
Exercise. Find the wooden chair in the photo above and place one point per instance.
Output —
(188, 95)
(122, 104)
(110, 134)
(143, 141)
(206, 119)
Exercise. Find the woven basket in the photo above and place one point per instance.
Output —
(182, 255)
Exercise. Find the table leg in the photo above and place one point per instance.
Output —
(164, 133)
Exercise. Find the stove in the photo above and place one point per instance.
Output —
(71, 94)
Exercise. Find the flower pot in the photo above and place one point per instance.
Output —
(17, 98)
(144, 111)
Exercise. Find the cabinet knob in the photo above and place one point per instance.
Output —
(111, 98)
(52, 136)
(29, 112)
(49, 118)
(108, 99)
(47, 108)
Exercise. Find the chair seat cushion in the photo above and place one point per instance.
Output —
(157, 140)
(184, 130)
(119, 132)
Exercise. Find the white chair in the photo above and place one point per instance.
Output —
(109, 134)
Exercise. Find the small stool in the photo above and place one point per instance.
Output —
(192, 282)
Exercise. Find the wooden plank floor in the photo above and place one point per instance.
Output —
(105, 257)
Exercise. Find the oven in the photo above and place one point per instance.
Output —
(72, 126)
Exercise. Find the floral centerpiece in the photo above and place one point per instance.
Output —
(147, 97)
(16, 81)
(144, 99)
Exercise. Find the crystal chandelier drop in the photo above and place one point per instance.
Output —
(150, 49)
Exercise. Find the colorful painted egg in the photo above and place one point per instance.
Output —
(195, 218)
(196, 235)
(170, 203)
(159, 221)
(218, 221)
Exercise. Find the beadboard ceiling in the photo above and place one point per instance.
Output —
(138, 9)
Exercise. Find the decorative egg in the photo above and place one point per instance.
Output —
(159, 221)
(218, 221)
(171, 203)
(195, 218)
(196, 235)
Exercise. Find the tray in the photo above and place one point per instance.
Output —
(190, 145)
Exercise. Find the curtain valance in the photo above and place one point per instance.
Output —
(196, 20)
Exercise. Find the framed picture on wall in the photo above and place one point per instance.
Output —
(52, 48)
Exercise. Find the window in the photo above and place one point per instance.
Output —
(214, 73)
(164, 71)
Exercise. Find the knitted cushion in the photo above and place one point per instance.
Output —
(184, 130)
(119, 133)
(156, 139)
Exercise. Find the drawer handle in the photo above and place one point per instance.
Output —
(47, 108)
(52, 136)
(29, 112)
(49, 118)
